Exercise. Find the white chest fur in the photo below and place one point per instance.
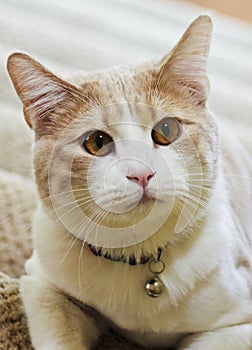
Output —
(203, 288)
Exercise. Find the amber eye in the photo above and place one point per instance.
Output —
(98, 143)
(166, 131)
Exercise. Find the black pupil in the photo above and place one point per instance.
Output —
(165, 129)
(99, 141)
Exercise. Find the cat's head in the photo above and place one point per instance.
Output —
(126, 153)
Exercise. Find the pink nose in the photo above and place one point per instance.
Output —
(142, 178)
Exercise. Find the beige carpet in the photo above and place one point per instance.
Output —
(83, 34)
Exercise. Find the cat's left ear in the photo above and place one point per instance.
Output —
(186, 65)
(40, 91)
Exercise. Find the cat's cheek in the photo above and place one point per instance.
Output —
(170, 176)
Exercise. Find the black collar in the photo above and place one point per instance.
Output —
(131, 260)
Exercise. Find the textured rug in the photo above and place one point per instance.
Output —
(84, 35)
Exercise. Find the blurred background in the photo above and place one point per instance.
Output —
(241, 9)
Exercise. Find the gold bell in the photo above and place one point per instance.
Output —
(154, 287)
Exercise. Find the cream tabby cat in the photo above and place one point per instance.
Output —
(145, 206)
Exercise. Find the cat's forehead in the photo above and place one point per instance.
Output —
(121, 119)
(121, 94)
(116, 84)
(128, 95)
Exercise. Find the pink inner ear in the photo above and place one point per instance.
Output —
(39, 90)
(199, 91)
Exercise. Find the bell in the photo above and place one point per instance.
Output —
(154, 287)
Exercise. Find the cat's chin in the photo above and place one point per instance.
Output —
(126, 214)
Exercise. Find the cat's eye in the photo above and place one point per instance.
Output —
(98, 143)
(166, 131)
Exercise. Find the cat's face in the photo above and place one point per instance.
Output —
(128, 152)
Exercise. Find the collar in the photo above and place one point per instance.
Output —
(131, 260)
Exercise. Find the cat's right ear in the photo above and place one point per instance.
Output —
(186, 65)
(39, 90)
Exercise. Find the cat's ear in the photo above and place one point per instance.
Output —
(39, 90)
(186, 65)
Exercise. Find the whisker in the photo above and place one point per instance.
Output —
(74, 239)
(191, 198)
(80, 266)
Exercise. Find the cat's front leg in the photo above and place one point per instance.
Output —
(55, 323)
(231, 338)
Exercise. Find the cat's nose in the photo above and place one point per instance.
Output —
(142, 178)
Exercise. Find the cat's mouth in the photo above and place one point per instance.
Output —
(146, 199)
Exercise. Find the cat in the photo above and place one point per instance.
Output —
(145, 206)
